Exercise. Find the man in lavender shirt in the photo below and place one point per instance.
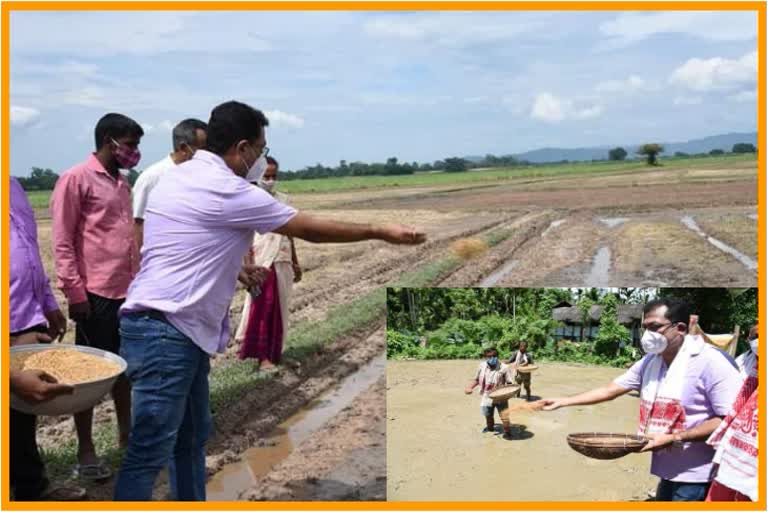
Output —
(683, 461)
(198, 225)
(35, 317)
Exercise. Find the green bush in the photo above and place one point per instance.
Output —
(611, 333)
(399, 342)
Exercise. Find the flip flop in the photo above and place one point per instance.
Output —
(93, 472)
(63, 493)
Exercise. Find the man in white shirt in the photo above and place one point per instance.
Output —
(188, 136)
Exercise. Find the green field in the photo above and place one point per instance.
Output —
(39, 199)
(500, 174)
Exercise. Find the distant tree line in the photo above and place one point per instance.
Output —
(45, 179)
(651, 152)
(393, 167)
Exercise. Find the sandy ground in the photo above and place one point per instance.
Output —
(436, 451)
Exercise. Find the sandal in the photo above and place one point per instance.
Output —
(63, 493)
(94, 472)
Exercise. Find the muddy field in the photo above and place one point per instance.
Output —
(622, 229)
(437, 452)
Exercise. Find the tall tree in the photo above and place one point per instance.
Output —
(651, 152)
(455, 165)
(617, 154)
(743, 147)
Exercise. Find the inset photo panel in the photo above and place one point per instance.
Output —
(572, 394)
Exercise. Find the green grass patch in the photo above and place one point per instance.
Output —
(39, 199)
(230, 381)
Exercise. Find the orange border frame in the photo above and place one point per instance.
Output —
(355, 5)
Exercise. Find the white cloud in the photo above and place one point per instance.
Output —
(23, 116)
(476, 99)
(744, 97)
(278, 117)
(631, 27)
(164, 126)
(632, 84)
(716, 73)
(552, 109)
(452, 29)
(688, 100)
(548, 108)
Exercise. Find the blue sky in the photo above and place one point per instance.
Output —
(367, 86)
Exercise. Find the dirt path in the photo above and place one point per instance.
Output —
(436, 451)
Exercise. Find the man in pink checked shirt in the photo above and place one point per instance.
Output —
(96, 260)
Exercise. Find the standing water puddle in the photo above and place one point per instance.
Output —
(601, 266)
(743, 258)
(613, 221)
(235, 478)
(498, 274)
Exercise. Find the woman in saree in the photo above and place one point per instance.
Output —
(264, 319)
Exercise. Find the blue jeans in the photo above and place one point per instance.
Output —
(681, 491)
(171, 415)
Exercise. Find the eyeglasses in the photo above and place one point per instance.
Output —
(656, 327)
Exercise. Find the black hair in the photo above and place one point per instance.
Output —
(490, 349)
(232, 122)
(115, 126)
(186, 132)
(677, 310)
(271, 160)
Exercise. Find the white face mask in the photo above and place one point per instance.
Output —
(257, 170)
(267, 185)
(653, 342)
(753, 345)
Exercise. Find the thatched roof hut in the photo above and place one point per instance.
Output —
(626, 314)
(629, 315)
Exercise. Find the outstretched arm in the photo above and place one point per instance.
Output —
(313, 229)
(594, 396)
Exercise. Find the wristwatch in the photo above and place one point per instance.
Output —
(677, 440)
